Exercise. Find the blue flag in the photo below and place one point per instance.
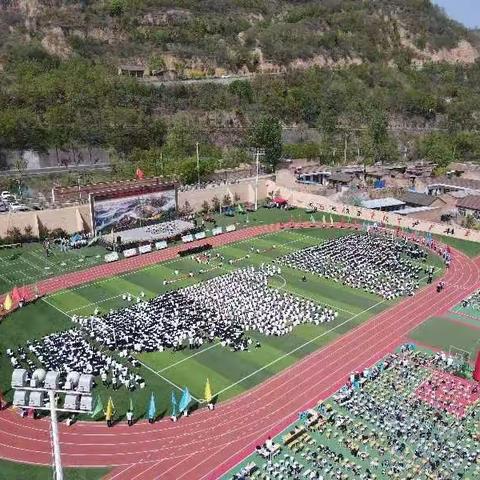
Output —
(152, 408)
(185, 400)
(174, 404)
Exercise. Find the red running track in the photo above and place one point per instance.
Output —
(206, 444)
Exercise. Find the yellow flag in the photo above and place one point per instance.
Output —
(208, 392)
(110, 409)
(7, 304)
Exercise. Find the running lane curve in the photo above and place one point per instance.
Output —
(206, 444)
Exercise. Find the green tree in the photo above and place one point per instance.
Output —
(227, 200)
(438, 148)
(215, 204)
(205, 207)
(379, 145)
(243, 90)
(182, 136)
(266, 133)
(117, 8)
(469, 221)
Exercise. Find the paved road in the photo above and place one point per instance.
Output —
(217, 80)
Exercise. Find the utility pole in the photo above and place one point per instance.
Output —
(345, 150)
(257, 159)
(198, 165)
(258, 152)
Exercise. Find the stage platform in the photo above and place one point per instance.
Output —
(150, 233)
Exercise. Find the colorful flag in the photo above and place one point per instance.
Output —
(152, 408)
(98, 407)
(139, 174)
(7, 304)
(110, 409)
(16, 295)
(131, 405)
(184, 401)
(331, 220)
(208, 392)
(174, 404)
(312, 220)
(323, 219)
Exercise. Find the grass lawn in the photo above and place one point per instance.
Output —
(443, 333)
(229, 373)
(29, 264)
(472, 249)
(17, 471)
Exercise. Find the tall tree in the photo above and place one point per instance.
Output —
(266, 133)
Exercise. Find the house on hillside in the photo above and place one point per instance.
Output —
(442, 185)
(416, 199)
(340, 180)
(136, 71)
(315, 174)
(469, 205)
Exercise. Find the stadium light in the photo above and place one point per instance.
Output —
(30, 394)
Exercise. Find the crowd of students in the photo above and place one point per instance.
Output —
(383, 424)
(378, 264)
(224, 308)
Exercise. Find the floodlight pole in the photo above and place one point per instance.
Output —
(55, 438)
(52, 408)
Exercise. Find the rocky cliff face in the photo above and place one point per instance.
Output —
(192, 38)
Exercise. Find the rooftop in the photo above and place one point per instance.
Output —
(419, 199)
(457, 182)
(472, 202)
(315, 169)
(410, 210)
(382, 203)
(341, 177)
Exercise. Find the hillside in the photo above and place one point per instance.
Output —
(188, 38)
(402, 82)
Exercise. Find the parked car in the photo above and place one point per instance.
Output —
(19, 207)
(3, 207)
(7, 197)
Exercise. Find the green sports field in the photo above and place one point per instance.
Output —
(451, 332)
(229, 373)
(29, 264)
(15, 471)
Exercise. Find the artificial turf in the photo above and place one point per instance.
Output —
(471, 249)
(15, 471)
(229, 373)
(29, 264)
(443, 333)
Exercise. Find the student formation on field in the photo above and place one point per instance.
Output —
(375, 263)
(227, 309)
